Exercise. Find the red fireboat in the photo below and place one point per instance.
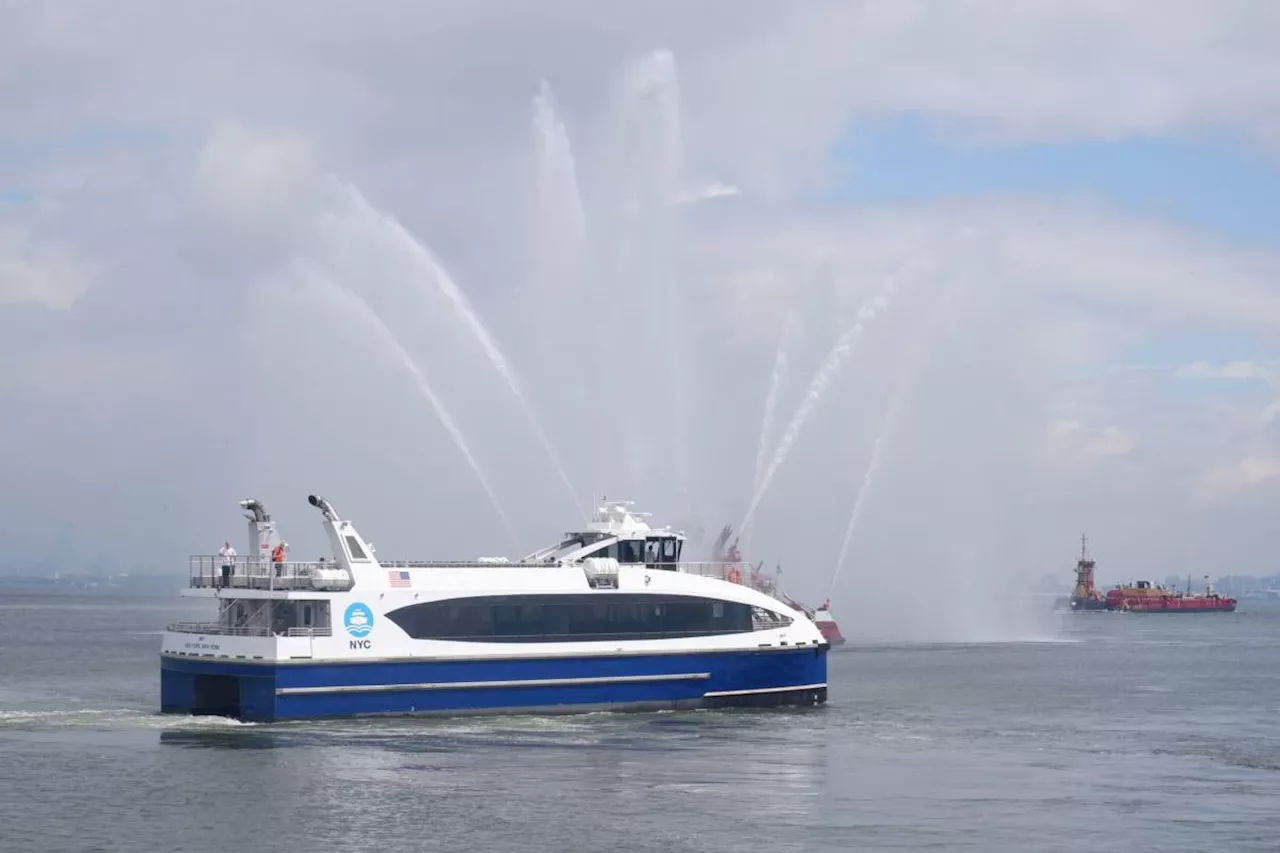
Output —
(1143, 596)
(727, 553)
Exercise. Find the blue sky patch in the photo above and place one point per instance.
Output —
(16, 196)
(1208, 182)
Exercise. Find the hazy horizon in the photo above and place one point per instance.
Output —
(267, 252)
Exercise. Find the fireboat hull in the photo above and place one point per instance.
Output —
(1175, 607)
(1089, 605)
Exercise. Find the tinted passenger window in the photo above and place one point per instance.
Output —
(563, 618)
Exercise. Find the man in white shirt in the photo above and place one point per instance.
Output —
(228, 555)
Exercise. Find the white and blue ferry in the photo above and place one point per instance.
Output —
(608, 618)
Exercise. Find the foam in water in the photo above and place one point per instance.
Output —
(354, 304)
(462, 307)
(818, 385)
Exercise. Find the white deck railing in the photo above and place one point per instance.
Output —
(206, 572)
(247, 573)
(244, 631)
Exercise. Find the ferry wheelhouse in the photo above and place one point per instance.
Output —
(608, 618)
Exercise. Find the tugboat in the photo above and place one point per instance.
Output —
(1141, 596)
(1086, 596)
(727, 554)
(607, 618)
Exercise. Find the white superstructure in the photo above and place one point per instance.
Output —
(608, 616)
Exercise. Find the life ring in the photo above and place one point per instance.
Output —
(733, 575)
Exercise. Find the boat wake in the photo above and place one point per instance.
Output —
(108, 719)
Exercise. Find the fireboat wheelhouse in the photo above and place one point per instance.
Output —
(608, 618)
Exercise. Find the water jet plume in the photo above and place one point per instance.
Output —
(818, 385)
(354, 304)
(462, 307)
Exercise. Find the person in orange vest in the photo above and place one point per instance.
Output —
(277, 557)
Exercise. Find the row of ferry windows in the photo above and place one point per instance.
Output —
(566, 618)
(653, 552)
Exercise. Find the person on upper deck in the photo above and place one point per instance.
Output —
(277, 557)
(228, 555)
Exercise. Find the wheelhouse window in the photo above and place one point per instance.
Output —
(662, 552)
(566, 618)
(353, 547)
(631, 551)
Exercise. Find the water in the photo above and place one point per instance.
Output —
(817, 386)
(557, 171)
(887, 425)
(353, 303)
(644, 174)
(1139, 733)
(776, 378)
(877, 451)
(471, 320)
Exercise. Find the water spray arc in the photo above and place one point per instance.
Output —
(462, 307)
(887, 426)
(357, 306)
(877, 451)
(818, 385)
(776, 380)
(649, 159)
(558, 172)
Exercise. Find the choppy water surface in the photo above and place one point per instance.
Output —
(1133, 733)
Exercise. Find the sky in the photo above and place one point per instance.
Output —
(465, 268)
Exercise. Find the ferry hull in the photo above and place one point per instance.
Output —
(308, 690)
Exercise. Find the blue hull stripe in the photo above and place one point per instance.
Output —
(471, 685)
(287, 690)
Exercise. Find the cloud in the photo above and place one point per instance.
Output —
(707, 193)
(256, 183)
(202, 154)
(1235, 370)
(43, 273)
(1072, 440)
(1197, 68)
(1245, 473)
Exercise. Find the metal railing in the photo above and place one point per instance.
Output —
(244, 630)
(247, 573)
(736, 572)
(462, 564)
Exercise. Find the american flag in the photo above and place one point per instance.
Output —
(398, 578)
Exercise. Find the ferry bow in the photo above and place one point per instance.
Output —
(608, 618)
